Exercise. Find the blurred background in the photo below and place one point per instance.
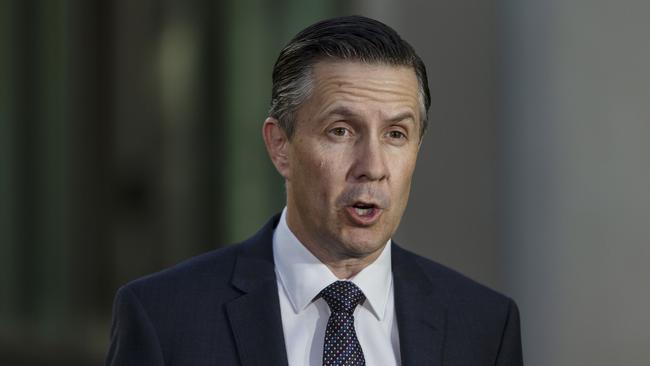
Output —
(130, 140)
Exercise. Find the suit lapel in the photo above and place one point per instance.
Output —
(421, 316)
(255, 317)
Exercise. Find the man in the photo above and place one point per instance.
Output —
(322, 284)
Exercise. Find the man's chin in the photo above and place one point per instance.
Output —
(359, 243)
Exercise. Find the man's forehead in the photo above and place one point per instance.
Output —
(335, 82)
(341, 76)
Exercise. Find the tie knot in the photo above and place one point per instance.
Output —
(342, 296)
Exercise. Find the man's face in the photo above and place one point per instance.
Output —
(352, 156)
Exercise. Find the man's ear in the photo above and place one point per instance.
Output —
(277, 145)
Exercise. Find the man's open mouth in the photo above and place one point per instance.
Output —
(364, 213)
(364, 209)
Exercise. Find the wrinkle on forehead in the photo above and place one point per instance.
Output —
(393, 87)
(398, 80)
(365, 86)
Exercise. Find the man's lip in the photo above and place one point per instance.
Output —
(365, 204)
(364, 220)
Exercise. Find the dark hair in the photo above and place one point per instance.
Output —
(354, 38)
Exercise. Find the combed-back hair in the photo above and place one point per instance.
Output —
(353, 38)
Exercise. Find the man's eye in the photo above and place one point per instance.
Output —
(396, 135)
(339, 131)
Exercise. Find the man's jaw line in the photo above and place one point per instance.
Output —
(343, 262)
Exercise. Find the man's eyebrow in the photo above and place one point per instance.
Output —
(347, 112)
(402, 116)
(342, 111)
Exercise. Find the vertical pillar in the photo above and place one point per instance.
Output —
(52, 188)
(576, 162)
(7, 176)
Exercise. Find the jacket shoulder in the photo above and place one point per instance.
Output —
(453, 285)
(210, 272)
(480, 323)
(207, 274)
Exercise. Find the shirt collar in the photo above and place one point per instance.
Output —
(303, 276)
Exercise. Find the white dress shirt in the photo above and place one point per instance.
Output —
(301, 277)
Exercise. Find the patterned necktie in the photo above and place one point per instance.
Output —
(341, 344)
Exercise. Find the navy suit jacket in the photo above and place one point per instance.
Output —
(222, 308)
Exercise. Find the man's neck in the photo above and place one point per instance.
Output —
(343, 266)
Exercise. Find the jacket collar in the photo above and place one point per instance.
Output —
(420, 311)
(255, 317)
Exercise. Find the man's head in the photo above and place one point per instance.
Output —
(349, 106)
(351, 38)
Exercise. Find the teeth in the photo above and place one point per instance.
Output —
(362, 211)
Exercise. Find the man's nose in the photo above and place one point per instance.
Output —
(369, 161)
